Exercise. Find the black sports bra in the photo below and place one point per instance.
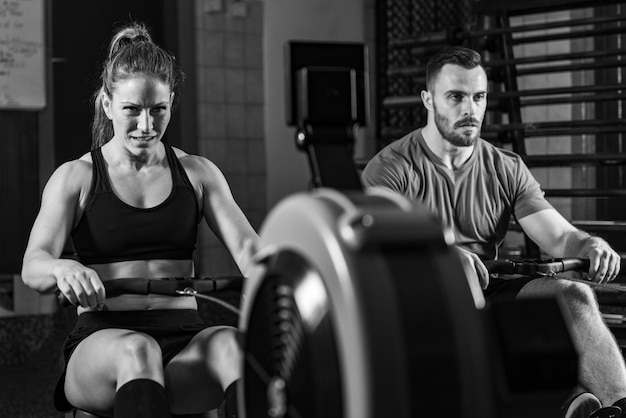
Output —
(111, 230)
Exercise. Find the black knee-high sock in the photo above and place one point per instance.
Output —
(141, 398)
(230, 400)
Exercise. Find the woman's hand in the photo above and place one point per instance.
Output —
(79, 284)
(474, 267)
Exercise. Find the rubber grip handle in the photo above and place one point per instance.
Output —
(578, 264)
(166, 286)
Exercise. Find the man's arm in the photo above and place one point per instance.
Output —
(559, 238)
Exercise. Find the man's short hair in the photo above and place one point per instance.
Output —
(457, 55)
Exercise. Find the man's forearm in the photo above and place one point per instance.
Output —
(577, 243)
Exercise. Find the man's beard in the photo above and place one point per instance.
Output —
(449, 133)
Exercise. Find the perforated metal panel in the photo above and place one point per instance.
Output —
(399, 21)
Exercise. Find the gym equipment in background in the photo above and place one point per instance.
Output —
(327, 101)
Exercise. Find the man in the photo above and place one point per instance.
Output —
(475, 188)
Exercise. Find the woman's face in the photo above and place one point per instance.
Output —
(140, 109)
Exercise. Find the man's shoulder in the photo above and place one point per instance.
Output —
(499, 153)
(401, 147)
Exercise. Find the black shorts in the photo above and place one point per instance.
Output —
(504, 289)
(171, 328)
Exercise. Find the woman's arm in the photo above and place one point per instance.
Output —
(224, 216)
(43, 269)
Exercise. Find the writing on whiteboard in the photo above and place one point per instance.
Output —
(22, 54)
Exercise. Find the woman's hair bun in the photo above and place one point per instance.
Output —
(132, 34)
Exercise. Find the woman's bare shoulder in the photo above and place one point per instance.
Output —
(74, 174)
(197, 164)
(80, 166)
(202, 172)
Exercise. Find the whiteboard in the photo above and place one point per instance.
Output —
(22, 53)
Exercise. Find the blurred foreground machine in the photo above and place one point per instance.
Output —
(362, 310)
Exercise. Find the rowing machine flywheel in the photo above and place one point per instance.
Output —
(360, 310)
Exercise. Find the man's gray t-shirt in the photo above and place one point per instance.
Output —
(476, 201)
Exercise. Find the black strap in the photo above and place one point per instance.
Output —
(168, 286)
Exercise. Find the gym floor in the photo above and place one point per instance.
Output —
(29, 357)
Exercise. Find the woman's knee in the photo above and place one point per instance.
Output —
(222, 347)
(105, 361)
(138, 351)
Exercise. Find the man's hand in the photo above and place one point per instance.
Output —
(474, 267)
(604, 262)
(559, 238)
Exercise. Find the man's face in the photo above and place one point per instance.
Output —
(458, 101)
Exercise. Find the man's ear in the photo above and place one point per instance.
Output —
(427, 100)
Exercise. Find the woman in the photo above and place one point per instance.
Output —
(132, 207)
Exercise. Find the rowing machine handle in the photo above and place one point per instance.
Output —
(166, 286)
(536, 267)
(577, 264)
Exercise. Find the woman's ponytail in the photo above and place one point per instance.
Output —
(131, 52)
